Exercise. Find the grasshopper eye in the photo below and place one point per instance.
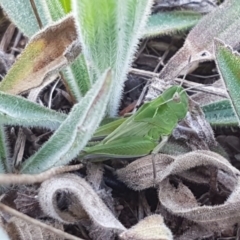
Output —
(176, 97)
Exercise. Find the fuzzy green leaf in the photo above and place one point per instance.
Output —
(75, 131)
(167, 23)
(109, 32)
(77, 77)
(15, 110)
(21, 13)
(55, 9)
(220, 114)
(228, 63)
(4, 156)
(66, 5)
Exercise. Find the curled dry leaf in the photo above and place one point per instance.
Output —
(180, 200)
(82, 201)
(48, 51)
(150, 228)
(138, 175)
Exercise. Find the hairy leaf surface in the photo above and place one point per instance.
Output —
(22, 15)
(74, 132)
(168, 23)
(109, 32)
(228, 63)
(220, 114)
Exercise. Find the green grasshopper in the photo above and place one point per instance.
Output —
(145, 132)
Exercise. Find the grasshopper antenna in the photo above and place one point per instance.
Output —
(200, 86)
(176, 97)
(184, 76)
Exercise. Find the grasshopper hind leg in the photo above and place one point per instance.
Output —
(154, 153)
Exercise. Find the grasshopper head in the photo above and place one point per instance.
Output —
(177, 101)
(176, 97)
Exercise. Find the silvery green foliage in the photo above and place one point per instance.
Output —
(54, 8)
(21, 13)
(166, 23)
(15, 110)
(76, 75)
(74, 133)
(220, 114)
(57, 8)
(109, 32)
(228, 63)
(4, 164)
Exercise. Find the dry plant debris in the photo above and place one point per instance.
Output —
(197, 192)
(177, 197)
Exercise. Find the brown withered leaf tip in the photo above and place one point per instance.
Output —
(48, 52)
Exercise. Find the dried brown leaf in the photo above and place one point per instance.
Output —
(95, 175)
(26, 201)
(150, 228)
(48, 51)
(95, 178)
(138, 175)
(82, 202)
(25, 220)
(222, 22)
(179, 200)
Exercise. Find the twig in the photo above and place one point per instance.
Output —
(189, 84)
(16, 41)
(51, 94)
(36, 178)
(36, 14)
(30, 220)
(7, 37)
